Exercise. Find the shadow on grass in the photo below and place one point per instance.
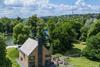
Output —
(8, 63)
(92, 58)
(74, 52)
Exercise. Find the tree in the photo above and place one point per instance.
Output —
(2, 51)
(19, 19)
(32, 22)
(20, 33)
(7, 24)
(37, 26)
(4, 61)
(98, 16)
(61, 34)
(92, 50)
(94, 29)
(1, 27)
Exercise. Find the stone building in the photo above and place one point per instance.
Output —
(33, 54)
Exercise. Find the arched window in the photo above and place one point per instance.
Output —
(21, 58)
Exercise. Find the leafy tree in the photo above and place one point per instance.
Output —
(98, 16)
(32, 22)
(1, 27)
(84, 30)
(61, 34)
(20, 33)
(13, 23)
(2, 50)
(19, 19)
(94, 29)
(7, 24)
(92, 50)
(4, 62)
(37, 26)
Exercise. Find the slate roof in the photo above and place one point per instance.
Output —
(29, 46)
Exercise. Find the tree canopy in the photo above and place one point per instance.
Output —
(20, 33)
(92, 50)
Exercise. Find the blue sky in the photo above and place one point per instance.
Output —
(94, 2)
(26, 8)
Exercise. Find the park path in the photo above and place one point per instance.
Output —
(14, 46)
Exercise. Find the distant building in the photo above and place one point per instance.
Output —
(33, 54)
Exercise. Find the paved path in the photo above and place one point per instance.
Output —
(15, 46)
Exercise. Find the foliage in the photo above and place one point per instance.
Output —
(20, 33)
(2, 50)
(59, 32)
(85, 28)
(94, 29)
(32, 24)
(36, 25)
(7, 24)
(76, 50)
(62, 34)
(4, 62)
(92, 50)
(4, 24)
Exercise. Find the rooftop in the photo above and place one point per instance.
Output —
(29, 46)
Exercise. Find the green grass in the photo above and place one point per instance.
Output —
(77, 48)
(80, 61)
(83, 62)
(80, 45)
(12, 54)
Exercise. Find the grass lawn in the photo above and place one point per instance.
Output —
(12, 54)
(83, 62)
(80, 45)
(77, 48)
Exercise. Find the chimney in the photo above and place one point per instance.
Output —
(40, 52)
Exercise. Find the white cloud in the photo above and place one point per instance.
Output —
(12, 2)
(25, 2)
(81, 5)
(80, 2)
(44, 8)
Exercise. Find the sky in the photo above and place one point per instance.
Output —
(26, 8)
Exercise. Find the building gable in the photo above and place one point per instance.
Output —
(29, 46)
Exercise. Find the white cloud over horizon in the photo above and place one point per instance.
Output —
(26, 8)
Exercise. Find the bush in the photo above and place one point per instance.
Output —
(92, 50)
